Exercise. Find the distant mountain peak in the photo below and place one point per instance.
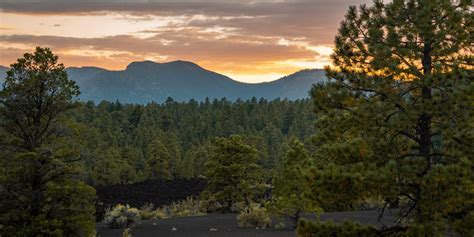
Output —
(88, 68)
(147, 65)
(182, 62)
(302, 73)
(141, 65)
(146, 81)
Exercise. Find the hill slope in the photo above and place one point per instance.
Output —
(143, 82)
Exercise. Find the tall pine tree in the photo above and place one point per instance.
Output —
(289, 185)
(40, 193)
(395, 122)
(158, 160)
(232, 172)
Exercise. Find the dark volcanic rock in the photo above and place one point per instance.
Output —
(226, 225)
(158, 192)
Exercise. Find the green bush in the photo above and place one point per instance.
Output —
(188, 207)
(254, 216)
(121, 216)
(211, 204)
(146, 212)
(237, 207)
(280, 226)
(160, 214)
(147, 215)
(126, 233)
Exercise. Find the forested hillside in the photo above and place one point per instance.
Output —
(117, 140)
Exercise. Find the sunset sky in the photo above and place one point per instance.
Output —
(248, 40)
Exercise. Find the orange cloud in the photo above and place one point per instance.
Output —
(247, 38)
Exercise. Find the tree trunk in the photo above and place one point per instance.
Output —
(424, 122)
(295, 219)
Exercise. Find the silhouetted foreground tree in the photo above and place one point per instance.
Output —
(39, 194)
(395, 123)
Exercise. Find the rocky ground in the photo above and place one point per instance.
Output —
(226, 225)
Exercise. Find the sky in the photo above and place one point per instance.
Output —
(247, 40)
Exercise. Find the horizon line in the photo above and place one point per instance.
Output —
(187, 61)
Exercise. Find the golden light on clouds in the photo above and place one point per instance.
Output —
(251, 41)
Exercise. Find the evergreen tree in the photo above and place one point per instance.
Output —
(158, 160)
(200, 157)
(289, 185)
(40, 195)
(136, 115)
(232, 172)
(106, 167)
(136, 164)
(395, 121)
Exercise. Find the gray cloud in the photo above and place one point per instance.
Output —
(214, 7)
(313, 19)
(233, 53)
(181, 43)
(248, 32)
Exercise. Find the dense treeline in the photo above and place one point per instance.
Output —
(124, 143)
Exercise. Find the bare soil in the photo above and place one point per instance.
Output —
(226, 225)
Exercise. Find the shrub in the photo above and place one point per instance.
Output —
(188, 207)
(160, 214)
(280, 226)
(121, 216)
(237, 207)
(126, 233)
(146, 212)
(211, 204)
(147, 215)
(254, 216)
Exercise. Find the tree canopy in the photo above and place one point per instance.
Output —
(40, 195)
(232, 172)
(395, 121)
(114, 138)
(158, 160)
(289, 184)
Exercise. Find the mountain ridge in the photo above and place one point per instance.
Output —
(146, 81)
